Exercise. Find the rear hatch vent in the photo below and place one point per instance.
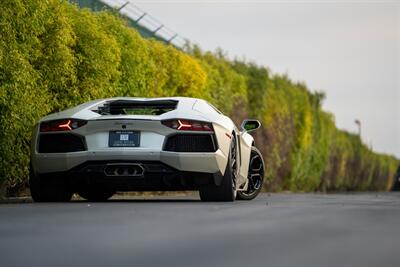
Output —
(61, 143)
(191, 143)
(136, 107)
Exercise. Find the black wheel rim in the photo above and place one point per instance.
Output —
(256, 174)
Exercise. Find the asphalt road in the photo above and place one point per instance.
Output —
(273, 230)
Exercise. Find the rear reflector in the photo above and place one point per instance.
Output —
(189, 125)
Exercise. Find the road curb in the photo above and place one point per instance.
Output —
(16, 200)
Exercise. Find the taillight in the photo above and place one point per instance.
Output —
(61, 125)
(189, 125)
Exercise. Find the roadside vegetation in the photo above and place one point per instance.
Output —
(54, 55)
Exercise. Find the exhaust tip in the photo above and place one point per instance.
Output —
(124, 169)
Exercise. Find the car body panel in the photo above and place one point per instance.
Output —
(153, 135)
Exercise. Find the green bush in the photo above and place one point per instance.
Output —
(54, 55)
(303, 149)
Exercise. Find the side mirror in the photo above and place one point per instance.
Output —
(250, 125)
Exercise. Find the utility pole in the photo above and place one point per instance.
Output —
(358, 122)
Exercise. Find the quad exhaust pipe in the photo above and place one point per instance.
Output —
(124, 169)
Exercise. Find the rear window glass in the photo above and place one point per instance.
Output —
(136, 107)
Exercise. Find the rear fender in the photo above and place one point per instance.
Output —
(246, 142)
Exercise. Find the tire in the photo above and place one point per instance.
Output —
(42, 191)
(255, 176)
(226, 191)
(96, 195)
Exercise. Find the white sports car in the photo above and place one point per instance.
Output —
(144, 144)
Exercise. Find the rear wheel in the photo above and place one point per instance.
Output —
(96, 195)
(255, 176)
(44, 191)
(226, 191)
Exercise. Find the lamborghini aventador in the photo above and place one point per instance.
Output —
(144, 144)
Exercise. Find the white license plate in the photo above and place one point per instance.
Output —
(124, 139)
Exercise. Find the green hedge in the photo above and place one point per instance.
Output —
(54, 55)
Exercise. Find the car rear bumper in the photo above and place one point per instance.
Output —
(155, 176)
(210, 162)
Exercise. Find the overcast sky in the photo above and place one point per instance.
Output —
(348, 49)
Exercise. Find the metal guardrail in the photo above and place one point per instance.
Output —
(147, 25)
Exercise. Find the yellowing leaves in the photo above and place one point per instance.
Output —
(54, 56)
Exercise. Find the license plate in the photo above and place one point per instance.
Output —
(124, 139)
